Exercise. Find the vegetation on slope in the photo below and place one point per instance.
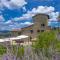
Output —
(3, 50)
(47, 44)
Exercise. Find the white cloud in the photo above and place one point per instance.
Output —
(19, 2)
(40, 9)
(8, 22)
(27, 16)
(52, 19)
(12, 3)
(54, 14)
(2, 18)
(24, 9)
(43, 9)
(27, 23)
(10, 25)
(13, 24)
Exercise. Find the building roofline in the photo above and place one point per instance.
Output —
(27, 26)
(41, 14)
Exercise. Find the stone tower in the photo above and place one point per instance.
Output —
(40, 23)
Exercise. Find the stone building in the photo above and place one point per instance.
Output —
(40, 25)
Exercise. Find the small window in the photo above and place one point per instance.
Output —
(42, 30)
(42, 24)
(38, 31)
(31, 31)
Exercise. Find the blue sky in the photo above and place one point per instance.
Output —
(15, 14)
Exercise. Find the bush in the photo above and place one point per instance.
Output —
(3, 50)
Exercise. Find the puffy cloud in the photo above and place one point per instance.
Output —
(26, 16)
(54, 14)
(8, 22)
(19, 2)
(27, 23)
(52, 19)
(43, 9)
(40, 9)
(24, 9)
(13, 24)
(10, 25)
(12, 3)
(2, 18)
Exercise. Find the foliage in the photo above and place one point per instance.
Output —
(20, 51)
(47, 43)
(57, 46)
(3, 50)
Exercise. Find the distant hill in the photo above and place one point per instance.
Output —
(4, 31)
